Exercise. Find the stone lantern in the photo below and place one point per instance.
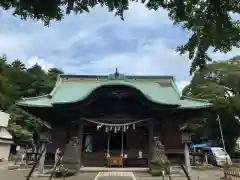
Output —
(186, 140)
(44, 139)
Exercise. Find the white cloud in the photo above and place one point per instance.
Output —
(139, 15)
(98, 42)
(153, 57)
(41, 62)
(225, 56)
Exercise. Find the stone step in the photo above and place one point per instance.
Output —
(116, 173)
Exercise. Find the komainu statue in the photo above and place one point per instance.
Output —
(159, 163)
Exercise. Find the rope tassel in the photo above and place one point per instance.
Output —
(124, 128)
(98, 126)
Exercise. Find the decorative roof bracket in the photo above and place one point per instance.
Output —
(117, 76)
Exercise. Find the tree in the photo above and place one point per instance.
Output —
(17, 81)
(36, 79)
(18, 77)
(219, 83)
(7, 92)
(209, 20)
(23, 126)
(52, 75)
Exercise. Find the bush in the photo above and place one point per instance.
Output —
(157, 167)
(156, 172)
(64, 172)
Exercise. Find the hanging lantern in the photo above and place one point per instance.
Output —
(134, 127)
(110, 129)
(118, 128)
(126, 127)
(115, 129)
(106, 128)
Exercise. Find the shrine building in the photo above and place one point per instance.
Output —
(115, 115)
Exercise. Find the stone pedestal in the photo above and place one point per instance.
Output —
(20, 158)
(42, 159)
(187, 158)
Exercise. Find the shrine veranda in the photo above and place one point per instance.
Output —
(115, 115)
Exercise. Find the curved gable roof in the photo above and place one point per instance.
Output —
(157, 89)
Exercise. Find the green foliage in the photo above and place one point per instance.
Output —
(66, 172)
(209, 21)
(156, 172)
(159, 164)
(157, 167)
(17, 81)
(218, 82)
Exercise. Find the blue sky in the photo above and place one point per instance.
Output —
(98, 42)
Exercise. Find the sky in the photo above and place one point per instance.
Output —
(99, 42)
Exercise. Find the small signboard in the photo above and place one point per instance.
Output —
(186, 138)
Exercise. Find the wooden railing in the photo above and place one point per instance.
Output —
(231, 172)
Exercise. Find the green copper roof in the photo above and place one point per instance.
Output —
(72, 89)
(40, 101)
(73, 92)
(191, 103)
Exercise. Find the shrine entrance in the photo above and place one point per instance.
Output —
(101, 142)
(117, 141)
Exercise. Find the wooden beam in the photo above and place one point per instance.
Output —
(150, 139)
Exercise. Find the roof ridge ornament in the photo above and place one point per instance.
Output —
(116, 73)
(117, 76)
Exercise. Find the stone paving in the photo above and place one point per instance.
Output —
(5, 164)
(22, 174)
(196, 175)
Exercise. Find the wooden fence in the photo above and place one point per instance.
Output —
(231, 172)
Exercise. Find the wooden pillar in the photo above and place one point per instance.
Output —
(150, 139)
(80, 135)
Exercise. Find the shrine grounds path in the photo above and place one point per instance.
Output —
(196, 175)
